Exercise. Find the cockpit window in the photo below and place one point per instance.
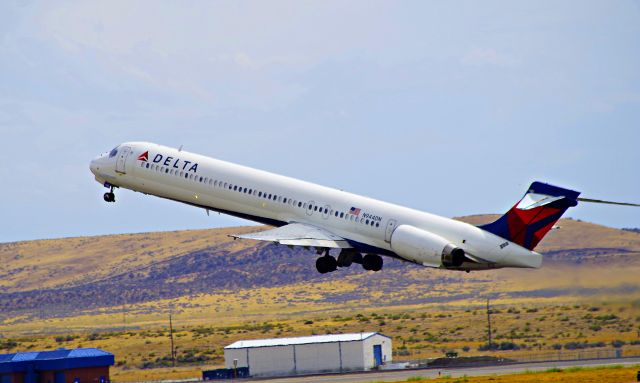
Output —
(113, 152)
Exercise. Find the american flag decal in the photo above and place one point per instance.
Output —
(355, 211)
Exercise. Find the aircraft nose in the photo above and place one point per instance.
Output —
(94, 166)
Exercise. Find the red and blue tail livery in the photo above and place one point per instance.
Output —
(534, 215)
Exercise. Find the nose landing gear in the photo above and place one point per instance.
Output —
(110, 196)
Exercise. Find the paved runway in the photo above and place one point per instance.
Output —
(399, 375)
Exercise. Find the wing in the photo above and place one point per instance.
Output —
(298, 234)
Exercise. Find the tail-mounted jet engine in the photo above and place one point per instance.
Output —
(425, 248)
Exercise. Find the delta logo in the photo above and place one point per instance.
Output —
(169, 161)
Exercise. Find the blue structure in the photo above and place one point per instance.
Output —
(82, 365)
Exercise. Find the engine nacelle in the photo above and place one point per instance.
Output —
(425, 248)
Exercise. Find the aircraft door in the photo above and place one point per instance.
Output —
(391, 225)
(123, 154)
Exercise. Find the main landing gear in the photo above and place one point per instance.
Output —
(110, 196)
(327, 263)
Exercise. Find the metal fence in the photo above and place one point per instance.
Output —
(507, 358)
(567, 355)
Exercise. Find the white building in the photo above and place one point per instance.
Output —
(310, 354)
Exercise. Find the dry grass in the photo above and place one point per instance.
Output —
(418, 332)
(610, 374)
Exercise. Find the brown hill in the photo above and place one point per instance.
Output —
(64, 277)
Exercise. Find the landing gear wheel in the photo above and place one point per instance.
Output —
(326, 264)
(372, 262)
(109, 197)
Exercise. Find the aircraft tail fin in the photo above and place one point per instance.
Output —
(534, 215)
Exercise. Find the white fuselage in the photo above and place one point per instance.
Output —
(278, 200)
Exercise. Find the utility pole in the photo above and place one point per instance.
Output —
(173, 351)
(489, 324)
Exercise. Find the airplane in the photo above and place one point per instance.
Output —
(360, 229)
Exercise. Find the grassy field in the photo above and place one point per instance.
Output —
(417, 332)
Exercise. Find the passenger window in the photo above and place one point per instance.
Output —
(259, 194)
(250, 191)
(326, 210)
(341, 214)
(166, 170)
(284, 200)
(367, 221)
(147, 165)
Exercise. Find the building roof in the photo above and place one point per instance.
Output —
(55, 360)
(329, 338)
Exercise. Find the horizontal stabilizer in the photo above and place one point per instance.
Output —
(298, 234)
(607, 202)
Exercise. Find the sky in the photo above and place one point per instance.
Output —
(452, 107)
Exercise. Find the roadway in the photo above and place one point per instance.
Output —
(400, 375)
